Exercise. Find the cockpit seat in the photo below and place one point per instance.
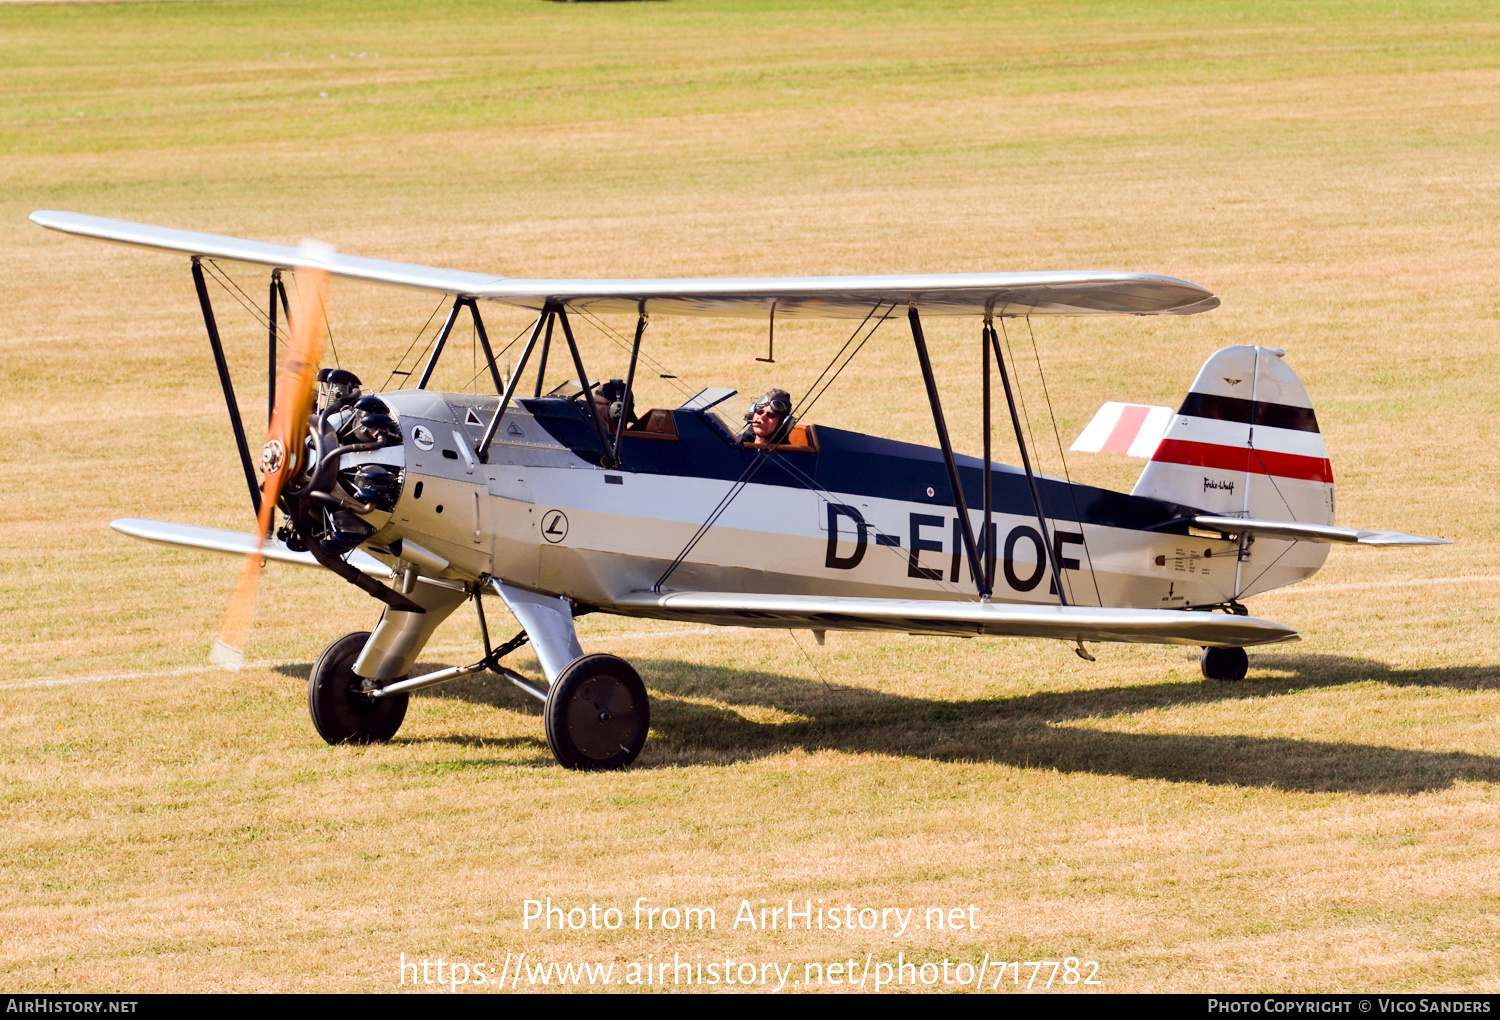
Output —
(656, 423)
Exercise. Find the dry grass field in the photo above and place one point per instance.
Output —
(1331, 170)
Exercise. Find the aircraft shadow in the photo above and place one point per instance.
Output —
(715, 715)
(1034, 731)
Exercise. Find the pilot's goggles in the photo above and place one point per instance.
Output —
(780, 408)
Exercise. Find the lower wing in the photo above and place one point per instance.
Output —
(960, 619)
(828, 612)
(237, 543)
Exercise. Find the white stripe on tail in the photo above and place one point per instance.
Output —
(1131, 429)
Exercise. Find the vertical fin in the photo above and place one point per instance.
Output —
(1244, 443)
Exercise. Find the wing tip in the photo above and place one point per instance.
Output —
(1207, 304)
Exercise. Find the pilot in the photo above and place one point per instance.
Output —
(770, 419)
(610, 403)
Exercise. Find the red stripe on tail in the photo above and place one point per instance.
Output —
(1132, 416)
(1240, 458)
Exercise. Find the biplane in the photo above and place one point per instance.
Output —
(560, 503)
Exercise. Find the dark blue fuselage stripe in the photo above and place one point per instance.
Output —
(852, 465)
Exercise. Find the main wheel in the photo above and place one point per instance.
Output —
(1225, 663)
(341, 712)
(597, 714)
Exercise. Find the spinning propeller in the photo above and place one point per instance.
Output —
(283, 454)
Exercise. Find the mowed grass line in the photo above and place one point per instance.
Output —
(1329, 171)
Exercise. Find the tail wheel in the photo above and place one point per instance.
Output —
(1225, 663)
(342, 712)
(597, 714)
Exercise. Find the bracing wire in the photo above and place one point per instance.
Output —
(1291, 514)
(838, 354)
(627, 344)
(805, 405)
(831, 688)
(402, 360)
(1251, 583)
(473, 380)
(1021, 394)
(1026, 417)
(754, 466)
(1062, 457)
(226, 282)
(328, 328)
(894, 550)
(233, 289)
(714, 515)
(739, 486)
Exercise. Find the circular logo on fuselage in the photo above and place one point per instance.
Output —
(422, 437)
(554, 526)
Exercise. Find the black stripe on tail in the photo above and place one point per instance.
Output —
(1258, 412)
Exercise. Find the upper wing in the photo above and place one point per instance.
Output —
(964, 619)
(793, 297)
(1298, 532)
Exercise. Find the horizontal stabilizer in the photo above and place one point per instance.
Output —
(1296, 532)
(792, 297)
(234, 543)
(962, 619)
(1132, 429)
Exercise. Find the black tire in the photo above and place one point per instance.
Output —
(1227, 664)
(341, 712)
(597, 714)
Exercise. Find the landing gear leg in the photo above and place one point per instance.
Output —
(1227, 664)
(597, 714)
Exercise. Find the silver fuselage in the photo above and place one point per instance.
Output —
(851, 515)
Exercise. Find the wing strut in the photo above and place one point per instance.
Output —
(460, 303)
(989, 468)
(484, 344)
(227, 384)
(975, 568)
(278, 289)
(610, 460)
(1015, 421)
(437, 346)
(541, 366)
(483, 449)
(635, 353)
